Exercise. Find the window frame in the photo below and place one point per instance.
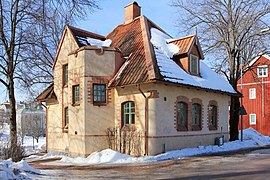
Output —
(212, 126)
(264, 72)
(99, 102)
(191, 57)
(131, 115)
(250, 119)
(76, 101)
(196, 127)
(252, 93)
(65, 75)
(66, 119)
(180, 126)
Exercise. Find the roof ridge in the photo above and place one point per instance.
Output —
(85, 31)
(185, 37)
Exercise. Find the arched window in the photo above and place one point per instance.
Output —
(212, 117)
(128, 113)
(182, 116)
(196, 116)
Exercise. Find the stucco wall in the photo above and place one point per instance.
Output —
(162, 132)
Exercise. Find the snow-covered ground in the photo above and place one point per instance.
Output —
(251, 139)
(21, 170)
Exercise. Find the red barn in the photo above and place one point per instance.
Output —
(256, 95)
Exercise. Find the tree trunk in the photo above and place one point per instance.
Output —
(234, 118)
(13, 127)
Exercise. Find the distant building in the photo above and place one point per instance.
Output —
(256, 94)
(31, 121)
(5, 106)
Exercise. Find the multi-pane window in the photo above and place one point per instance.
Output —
(252, 119)
(212, 117)
(252, 93)
(194, 64)
(262, 71)
(65, 74)
(76, 94)
(196, 116)
(99, 93)
(182, 115)
(66, 118)
(128, 113)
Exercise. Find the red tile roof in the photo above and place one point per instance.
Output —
(47, 93)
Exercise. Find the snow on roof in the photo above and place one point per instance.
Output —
(256, 58)
(99, 43)
(174, 73)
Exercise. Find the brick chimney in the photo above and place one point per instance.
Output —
(132, 11)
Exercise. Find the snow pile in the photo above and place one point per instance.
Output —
(251, 139)
(104, 156)
(19, 170)
(99, 43)
(158, 39)
(173, 73)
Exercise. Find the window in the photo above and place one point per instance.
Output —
(76, 94)
(99, 93)
(196, 116)
(262, 71)
(182, 116)
(194, 64)
(212, 117)
(252, 119)
(65, 75)
(128, 113)
(252, 93)
(66, 118)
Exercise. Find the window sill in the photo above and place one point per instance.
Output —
(76, 104)
(182, 128)
(99, 103)
(129, 127)
(212, 128)
(196, 128)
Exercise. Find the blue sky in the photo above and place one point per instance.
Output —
(111, 13)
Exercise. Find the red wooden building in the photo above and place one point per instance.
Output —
(256, 95)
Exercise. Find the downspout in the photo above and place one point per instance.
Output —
(145, 122)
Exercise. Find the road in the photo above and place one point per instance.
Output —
(254, 165)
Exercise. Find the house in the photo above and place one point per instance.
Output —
(31, 121)
(255, 85)
(5, 107)
(138, 83)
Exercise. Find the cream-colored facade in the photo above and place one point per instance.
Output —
(155, 100)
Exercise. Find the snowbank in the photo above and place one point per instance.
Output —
(20, 170)
(251, 139)
(174, 73)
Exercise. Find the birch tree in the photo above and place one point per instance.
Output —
(22, 27)
(231, 32)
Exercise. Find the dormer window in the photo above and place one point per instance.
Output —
(262, 71)
(194, 64)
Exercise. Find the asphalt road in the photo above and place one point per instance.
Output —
(254, 165)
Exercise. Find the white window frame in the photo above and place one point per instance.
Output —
(252, 93)
(264, 72)
(252, 119)
(197, 64)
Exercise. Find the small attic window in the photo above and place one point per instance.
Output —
(194, 64)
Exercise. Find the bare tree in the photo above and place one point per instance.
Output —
(20, 22)
(232, 31)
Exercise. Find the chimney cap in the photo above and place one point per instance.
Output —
(134, 2)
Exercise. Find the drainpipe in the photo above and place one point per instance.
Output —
(146, 121)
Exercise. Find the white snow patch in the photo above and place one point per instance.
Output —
(251, 139)
(122, 69)
(19, 170)
(159, 40)
(174, 73)
(99, 43)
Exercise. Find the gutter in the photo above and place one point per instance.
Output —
(145, 121)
